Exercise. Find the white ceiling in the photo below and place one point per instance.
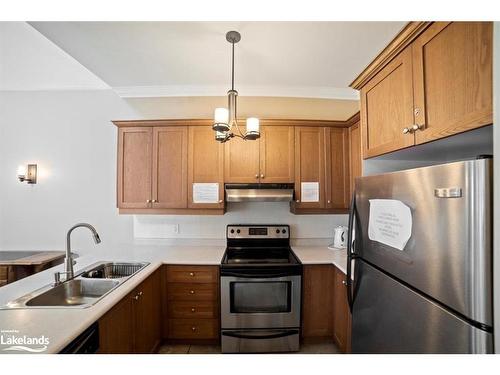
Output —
(304, 59)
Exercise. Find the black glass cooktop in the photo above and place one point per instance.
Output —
(259, 255)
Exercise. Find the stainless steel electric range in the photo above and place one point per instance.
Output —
(261, 282)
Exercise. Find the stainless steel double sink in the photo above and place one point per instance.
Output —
(89, 286)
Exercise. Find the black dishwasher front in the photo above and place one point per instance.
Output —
(85, 343)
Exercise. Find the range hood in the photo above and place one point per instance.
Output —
(259, 192)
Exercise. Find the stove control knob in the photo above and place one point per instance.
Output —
(232, 230)
(277, 231)
(238, 231)
(283, 231)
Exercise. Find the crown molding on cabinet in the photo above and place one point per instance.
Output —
(208, 122)
(320, 92)
(400, 42)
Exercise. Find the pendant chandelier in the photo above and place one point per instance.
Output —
(225, 119)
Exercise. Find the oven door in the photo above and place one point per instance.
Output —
(257, 301)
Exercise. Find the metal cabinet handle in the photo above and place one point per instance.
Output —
(256, 176)
(191, 273)
(140, 293)
(193, 309)
(344, 282)
(220, 201)
(193, 329)
(328, 201)
(298, 201)
(406, 130)
(417, 127)
(154, 201)
(148, 201)
(136, 297)
(262, 176)
(191, 292)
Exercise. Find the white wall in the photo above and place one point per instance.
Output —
(69, 135)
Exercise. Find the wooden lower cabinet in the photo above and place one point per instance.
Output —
(325, 311)
(117, 328)
(317, 301)
(191, 303)
(134, 324)
(341, 313)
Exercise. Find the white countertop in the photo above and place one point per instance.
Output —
(62, 325)
(321, 255)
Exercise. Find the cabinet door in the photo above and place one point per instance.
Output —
(148, 314)
(317, 300)
(341, 314)
(452, 72)
(355, 159)
(277, 154)
(170, 167)
(309, 163)
(117, 329)
(241, 161)
(387, 108)
(134, 167)
(205, 163)
(337, 167)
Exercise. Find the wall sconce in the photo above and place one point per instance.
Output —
(27, 174)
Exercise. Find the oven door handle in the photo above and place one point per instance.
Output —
(258, 276)
(273, 335)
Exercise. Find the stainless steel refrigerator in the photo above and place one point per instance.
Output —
(422, 274)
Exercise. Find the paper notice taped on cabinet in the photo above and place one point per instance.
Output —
(309, 192)
(206, 192)
(390, 222)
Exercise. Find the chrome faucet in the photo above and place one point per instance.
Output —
(69, 262)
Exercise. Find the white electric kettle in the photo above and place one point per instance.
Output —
(339, 237)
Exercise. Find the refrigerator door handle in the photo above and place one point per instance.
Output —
(350, 252)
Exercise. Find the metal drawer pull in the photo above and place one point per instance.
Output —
(451, 192)
(193, 329)
(406, 130)
(191, 291)
(193, 309)
(191, 273)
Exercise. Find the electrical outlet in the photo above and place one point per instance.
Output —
(176, 228)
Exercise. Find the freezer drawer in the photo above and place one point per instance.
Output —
(388, 317)
(448, 255)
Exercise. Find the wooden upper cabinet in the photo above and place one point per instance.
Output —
(134, 167)
(387, 107)
(241, 161)
(277, 154)
(452, 72)
(337, 167)
(169, 167)
(309, 163)
(205, 163)
(355, 156)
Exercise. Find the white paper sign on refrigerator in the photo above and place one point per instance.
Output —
(309, 192)
(206, 192)
(390, 222)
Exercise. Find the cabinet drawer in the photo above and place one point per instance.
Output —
(192, 292)
(192, 274)
(194, 309)
(193, 329)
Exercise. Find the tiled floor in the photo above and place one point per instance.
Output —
(309, 346)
